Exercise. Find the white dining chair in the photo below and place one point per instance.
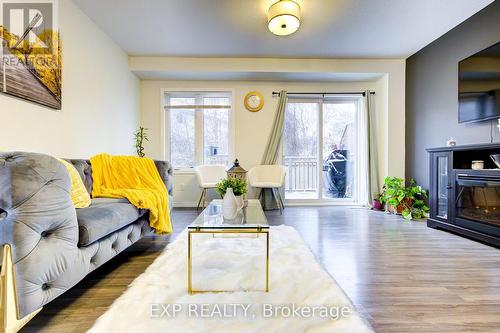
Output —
(208, 177)
(269, 176)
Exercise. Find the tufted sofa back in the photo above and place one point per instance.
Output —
(39, 220)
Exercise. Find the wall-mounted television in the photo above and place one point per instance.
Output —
(479, 86)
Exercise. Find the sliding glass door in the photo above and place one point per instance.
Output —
(321, 148)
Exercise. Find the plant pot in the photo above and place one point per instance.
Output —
(231, 204)
(239, 200)
(399, 209)
(377, 205)
(395, 210)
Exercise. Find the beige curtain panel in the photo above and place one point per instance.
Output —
(373, 173)
(271, 154)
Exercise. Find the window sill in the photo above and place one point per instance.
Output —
(189, 171)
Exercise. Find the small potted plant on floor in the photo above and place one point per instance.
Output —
(407, 200)
(377, 203)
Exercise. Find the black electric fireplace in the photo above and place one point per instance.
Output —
(464, 200)
(477, 201)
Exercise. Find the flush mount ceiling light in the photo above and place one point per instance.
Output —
(283, 17)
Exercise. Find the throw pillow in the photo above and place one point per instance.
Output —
(79, 194)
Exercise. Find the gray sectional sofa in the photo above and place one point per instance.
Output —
(55, 245)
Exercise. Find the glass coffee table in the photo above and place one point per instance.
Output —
(249, 220)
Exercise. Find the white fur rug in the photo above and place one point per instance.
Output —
(302, 296)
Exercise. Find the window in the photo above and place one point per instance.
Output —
(198, 128)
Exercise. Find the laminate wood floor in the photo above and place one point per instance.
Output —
(402, 276)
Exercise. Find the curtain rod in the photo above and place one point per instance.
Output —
(277, 93)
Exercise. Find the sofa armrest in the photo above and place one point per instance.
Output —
(166, 173)
(39, 221)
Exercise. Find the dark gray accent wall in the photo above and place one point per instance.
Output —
(432, 89)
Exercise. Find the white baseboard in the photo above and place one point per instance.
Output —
(186, 204)
(296, 203)
(193, 204)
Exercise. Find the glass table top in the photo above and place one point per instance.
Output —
(250, 217)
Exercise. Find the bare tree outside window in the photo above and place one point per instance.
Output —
(216, 132)
(339, 149)
(199, 131)
(300, 149)
(182, 138)
(301, 128)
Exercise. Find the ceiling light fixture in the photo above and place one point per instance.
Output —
(283, 17)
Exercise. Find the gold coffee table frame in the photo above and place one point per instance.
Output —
(225, 230)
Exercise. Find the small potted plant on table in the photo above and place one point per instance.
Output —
(238, 185)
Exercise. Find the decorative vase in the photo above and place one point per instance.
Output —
(231, 205)
(239, 200)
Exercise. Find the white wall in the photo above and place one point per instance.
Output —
(100, 101)
(251, 129)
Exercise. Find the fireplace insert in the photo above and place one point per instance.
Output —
(477, 202)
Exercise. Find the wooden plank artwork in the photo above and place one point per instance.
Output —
(22, 83)
(31, 70)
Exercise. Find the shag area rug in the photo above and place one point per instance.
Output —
(302, 296)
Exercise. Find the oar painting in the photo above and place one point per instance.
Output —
(31, 52)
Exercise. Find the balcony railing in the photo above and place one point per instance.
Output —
(301, 174)
(217, 159)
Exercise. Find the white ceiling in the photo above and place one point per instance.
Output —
(237, 28)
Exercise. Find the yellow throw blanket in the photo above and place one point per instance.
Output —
(136, 179)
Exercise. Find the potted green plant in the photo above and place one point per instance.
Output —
(405, 199)
(377, 203)
(236, 188)
(238, 185)
(140, 136)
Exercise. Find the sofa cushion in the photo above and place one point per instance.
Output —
(85, 170)
(103, 217)
(79, 194)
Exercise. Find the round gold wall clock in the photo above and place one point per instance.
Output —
(254, 101)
